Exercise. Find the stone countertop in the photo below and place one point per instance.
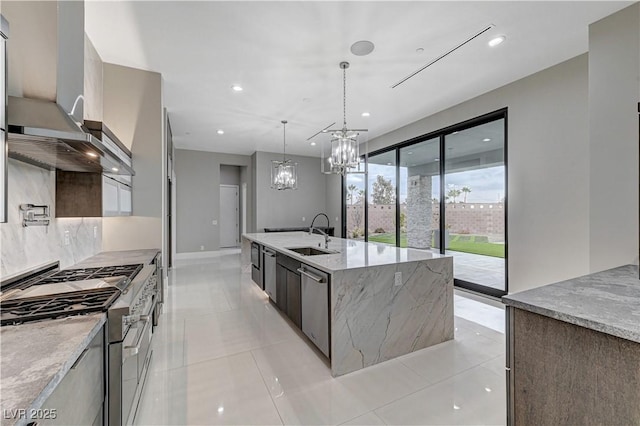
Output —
(112, 258)
(352, 254)
(35, 357)
(607, 301)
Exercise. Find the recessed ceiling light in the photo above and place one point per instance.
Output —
(410, 153)
(313, 144)
(237, 88)
(456, 407)
(92, 154)
(366, 114)
(497, 40)
(486, 140)
(220, 132)
(419, 50)
(455, 133)
(115, 169)
(362, 48)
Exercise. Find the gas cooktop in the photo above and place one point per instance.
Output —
(82, 274)
(51, 306)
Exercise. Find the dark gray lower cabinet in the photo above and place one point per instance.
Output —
(293, 298)
(288, 285)
(281, 287)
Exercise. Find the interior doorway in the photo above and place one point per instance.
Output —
(229, 216)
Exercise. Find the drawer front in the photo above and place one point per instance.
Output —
(288, 262)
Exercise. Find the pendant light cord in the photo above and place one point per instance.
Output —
(344, 97)
(284, 140)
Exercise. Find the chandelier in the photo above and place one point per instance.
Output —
(344, 155)
(284, 174)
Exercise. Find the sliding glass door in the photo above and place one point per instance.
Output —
(381, 198)
(446, 192)
(420, 194)
(474, 191)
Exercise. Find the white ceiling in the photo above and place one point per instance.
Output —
(285, 54)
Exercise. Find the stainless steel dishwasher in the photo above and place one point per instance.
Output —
(269, 266)
(315, 306)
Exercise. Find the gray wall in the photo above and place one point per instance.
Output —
(288, 208)
(614, 61)
(229, 175)
(333, 201)
(133, 110)
(198, 179)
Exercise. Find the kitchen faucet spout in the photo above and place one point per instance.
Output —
(326, 236)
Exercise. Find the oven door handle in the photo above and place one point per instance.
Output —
(132, 350)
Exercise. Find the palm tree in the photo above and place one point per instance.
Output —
(454, 193)
(466, 190)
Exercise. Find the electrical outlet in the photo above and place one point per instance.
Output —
(201, 248)
(95, 232)
(67, 238)
(214, 222)
(397, 279)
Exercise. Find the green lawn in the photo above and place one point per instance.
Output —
(475, 244)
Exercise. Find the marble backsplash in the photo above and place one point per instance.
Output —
(24, 248)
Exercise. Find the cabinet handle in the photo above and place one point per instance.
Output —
(133, 350)
(313, 277)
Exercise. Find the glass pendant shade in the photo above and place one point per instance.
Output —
(344, 154)
(284, 174)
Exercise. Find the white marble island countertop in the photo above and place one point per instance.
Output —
(607, 301)
(35, 357)
(351, 254)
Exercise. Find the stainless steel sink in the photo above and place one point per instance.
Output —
(311, 251)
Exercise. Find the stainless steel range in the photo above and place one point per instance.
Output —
(127, 293)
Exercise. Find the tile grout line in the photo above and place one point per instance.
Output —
(266, 387)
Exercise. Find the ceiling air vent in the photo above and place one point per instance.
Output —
(442, 56)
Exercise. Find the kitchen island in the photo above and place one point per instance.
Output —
(383, 301)
(573, 351)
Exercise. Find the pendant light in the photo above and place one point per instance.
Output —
(344, 155)
(284, 174)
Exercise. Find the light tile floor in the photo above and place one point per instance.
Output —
(224, 355)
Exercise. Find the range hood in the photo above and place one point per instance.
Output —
(41, 133)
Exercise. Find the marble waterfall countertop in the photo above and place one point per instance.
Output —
(112, 258)
(607, 301)
(35, 357)
(352, 254)
(384, 301)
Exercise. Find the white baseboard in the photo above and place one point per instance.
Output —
(206, 254)
(196, 255)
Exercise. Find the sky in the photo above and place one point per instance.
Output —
(487, 184)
